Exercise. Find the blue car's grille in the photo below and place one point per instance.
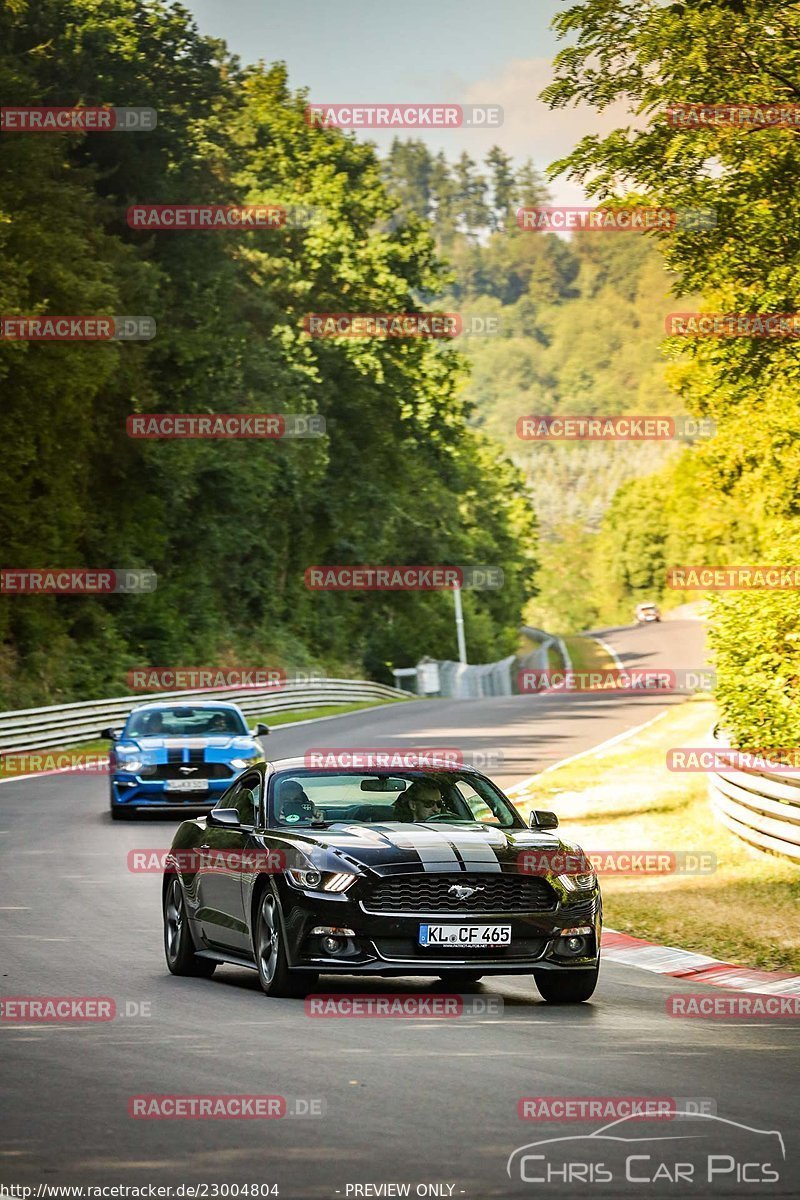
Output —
(177, 769)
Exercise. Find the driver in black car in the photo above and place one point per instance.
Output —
(294, 805)
(419, 802)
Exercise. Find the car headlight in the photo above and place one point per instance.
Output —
(241, 763)
(134, 765)
(579, 882)
(331, 881)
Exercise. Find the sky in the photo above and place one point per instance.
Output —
(459, 51)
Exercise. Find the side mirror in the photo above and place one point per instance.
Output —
(541, 818)
(261, 729)
(225, 818)
(112, 734)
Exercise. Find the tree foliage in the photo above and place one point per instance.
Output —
(229, 527)
(652, 55)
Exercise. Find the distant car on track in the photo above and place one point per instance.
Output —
(645, 613)
(179, 756)
(377, 872)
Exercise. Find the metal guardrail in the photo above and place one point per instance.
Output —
(762, 809)
(68, 724)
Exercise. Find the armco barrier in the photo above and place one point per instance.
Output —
(760, 808)
(67, 724)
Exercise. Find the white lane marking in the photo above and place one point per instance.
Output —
(609, 649)
(13, 908)
(32, 937)
(55, 771)
(619, 737)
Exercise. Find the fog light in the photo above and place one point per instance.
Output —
(332, 945)
(575, 944)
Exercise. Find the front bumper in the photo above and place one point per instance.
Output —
(129, 791)
(388, 944)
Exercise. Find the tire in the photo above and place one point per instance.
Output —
(461, 978)
(179, 949)
(274, 974)
(120, 814)
(566, 987)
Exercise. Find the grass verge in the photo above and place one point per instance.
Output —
(624, 798)
(587, 654)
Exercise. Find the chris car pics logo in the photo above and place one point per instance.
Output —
(695, 1152)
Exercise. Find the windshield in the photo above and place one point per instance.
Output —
(303, 798)
(185, 721)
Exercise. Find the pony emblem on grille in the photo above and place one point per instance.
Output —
(463, 893)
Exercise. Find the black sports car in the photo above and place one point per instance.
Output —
(298, 872)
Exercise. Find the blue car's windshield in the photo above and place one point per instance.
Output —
(185, 721)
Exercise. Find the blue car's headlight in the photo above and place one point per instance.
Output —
(241, 763)
(134, 765)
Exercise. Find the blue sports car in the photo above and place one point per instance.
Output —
(179, 756)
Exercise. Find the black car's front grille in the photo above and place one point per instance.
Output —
(432, 893)
(199, 770)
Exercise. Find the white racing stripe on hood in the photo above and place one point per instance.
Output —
(474, 850)
(433, 848)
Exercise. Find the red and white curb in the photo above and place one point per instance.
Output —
(699, 968)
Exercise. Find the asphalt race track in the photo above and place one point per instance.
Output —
(422, 1102)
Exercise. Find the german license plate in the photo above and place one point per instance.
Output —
(187, 785)
(465, 935)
